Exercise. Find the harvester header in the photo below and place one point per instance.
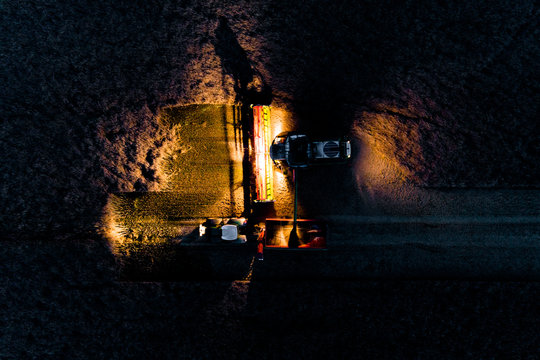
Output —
(263, 164)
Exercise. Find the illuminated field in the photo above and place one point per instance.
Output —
(203, 175)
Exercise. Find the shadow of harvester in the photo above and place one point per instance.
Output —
(249, 85)
(250, 88)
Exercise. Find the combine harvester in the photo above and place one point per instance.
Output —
(281, 233)
(287, 150)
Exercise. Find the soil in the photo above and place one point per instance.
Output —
(63, 300)
(436, 95)
(440, 99)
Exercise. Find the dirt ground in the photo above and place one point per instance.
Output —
(440, 95)
(440, 99)
(62, 300)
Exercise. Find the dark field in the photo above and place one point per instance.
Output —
(62, 300)
(434, 95)
(435, 250)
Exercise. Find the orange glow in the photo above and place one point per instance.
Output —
(116, 233)
(263, 164)
(111, 228)
(278, 232)
(381, 138)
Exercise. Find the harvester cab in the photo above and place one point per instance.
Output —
(296, 150)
